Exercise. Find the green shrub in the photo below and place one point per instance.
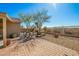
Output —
(13, 35)
(2, 47)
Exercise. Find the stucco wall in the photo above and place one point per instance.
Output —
(12, 28)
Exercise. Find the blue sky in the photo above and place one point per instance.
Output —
(63, 14)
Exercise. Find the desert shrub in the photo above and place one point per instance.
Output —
(13, 35)
(49, 31)
(56, 35)
(38, 34)
(56, 31)
(66, 32)
(2, 47)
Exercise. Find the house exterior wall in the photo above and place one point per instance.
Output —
(8, 27)
(12, 28)
(3, 17)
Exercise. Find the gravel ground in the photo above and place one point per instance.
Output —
(37, 47)
(69, 42)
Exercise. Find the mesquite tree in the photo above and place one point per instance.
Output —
(40, 18)
(27, 20)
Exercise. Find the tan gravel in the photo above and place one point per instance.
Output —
(69, 42)
(37, 47)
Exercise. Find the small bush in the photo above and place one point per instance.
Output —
(68, 33)
(13, 35)
(56, 35)
(2, 47)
